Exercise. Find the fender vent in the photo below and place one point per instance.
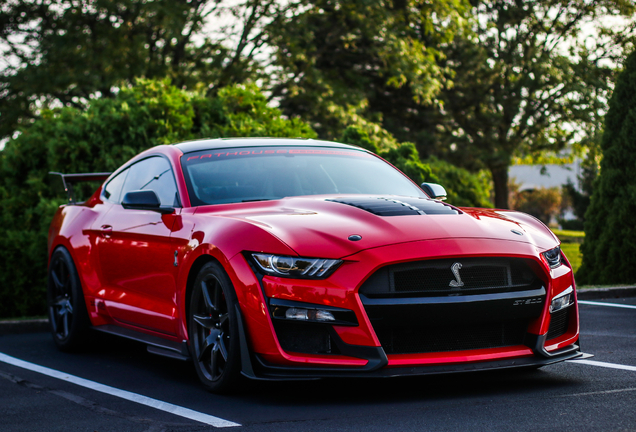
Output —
(398, 207)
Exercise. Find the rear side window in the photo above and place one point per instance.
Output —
(153, 174)
(112, 191)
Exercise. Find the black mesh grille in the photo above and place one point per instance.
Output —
(451, 277)
(409, 340)
(559, 323)
(305, 338)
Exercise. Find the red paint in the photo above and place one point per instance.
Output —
(125, 259)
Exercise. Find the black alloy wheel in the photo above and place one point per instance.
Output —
(68, 317)
(213, 329)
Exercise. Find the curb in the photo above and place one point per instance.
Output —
(606, 293)
(24, 326)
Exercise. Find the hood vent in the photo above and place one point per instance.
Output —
(394, 207)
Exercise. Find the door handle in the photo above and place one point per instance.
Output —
(107, 230)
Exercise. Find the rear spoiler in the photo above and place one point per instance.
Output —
(69, 179)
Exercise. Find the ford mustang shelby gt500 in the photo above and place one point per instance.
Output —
(281, 258)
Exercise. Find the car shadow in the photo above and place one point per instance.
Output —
(334, 391)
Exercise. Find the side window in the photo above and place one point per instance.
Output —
(112, 191)
(153, 174)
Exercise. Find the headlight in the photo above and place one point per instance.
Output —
(553, 257)
(295, 267)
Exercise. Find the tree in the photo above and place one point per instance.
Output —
(519, 79)
(102, 137)
(65, 53)
(609, 249)
(526, 81)
(335, 54)
(580, 200)
(463, 188)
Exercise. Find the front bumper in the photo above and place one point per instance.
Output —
(264, 371)
(358, 351)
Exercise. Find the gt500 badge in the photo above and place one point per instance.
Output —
(536, 300)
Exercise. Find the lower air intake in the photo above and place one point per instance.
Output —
(410, 340)
(559, 323)
(306, 338)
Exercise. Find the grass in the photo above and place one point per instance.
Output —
(570, 244)
(567, 233)
(573, 253)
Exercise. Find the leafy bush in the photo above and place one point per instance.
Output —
(464, 188)
(103, 137)
(542, 203)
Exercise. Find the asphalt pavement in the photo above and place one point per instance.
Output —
(599, 395)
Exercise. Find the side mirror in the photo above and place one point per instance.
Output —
(434, 190)
(144, 200)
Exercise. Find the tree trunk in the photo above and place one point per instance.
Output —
(500, 180)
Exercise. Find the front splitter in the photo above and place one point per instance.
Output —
(266, 371)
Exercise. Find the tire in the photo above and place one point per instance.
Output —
(68, 318)
(213, 329)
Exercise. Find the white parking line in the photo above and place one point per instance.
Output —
(133, 397)
(603, 364)
(592, 303)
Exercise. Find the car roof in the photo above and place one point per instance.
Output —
(219, 143)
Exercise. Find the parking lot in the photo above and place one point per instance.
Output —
(115, 385)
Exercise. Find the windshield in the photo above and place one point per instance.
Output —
(266, 173)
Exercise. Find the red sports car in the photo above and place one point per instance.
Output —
(286, 259)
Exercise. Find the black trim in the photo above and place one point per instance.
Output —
(126, 166)
(269, 372)
(156, 345)
(537, 344)
(451, 299)
(144, 200)
(69, 179)
(375, 356)
(246, 358)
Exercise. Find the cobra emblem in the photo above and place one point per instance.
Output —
(458, 282)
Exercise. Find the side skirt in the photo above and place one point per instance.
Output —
(156, 345)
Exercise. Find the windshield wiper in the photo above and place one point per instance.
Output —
(257, 199)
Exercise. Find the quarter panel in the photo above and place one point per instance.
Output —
(70, 228)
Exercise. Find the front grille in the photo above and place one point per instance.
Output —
(409, 340)
(559, 323)
(465, 276)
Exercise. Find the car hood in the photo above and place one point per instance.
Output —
(321, 226)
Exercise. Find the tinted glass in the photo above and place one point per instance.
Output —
(112, 191)
(153, 174)
(253, 174)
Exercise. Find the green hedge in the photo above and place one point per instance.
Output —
(103, 137)
(111, 131)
